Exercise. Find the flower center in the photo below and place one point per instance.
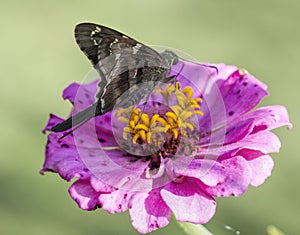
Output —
(163, 129)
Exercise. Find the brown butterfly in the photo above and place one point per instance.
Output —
(122, 63)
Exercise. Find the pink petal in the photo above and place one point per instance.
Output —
(100, 186)
(71, 91)
(191, 74)
(210, 172)
(81, 95)
(270, 117)
(63, 158)
(261, 169)
(230, 98)
(232, 132)
(53, 120)
(149, 212)
(238, 177)
(85, 196)
(116, 201)
(266, 118)
(188, 202)
(263, 141)
(241, 93)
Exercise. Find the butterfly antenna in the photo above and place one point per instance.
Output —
(211, 66)
(205, 65)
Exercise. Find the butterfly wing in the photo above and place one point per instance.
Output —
(120, 60)
(122, 63)
(104, 47)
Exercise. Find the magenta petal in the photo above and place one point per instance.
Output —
(264, 142)
(261, 169)
(100, 186)
(238, 177)
(81, 95)
(71, 91)
(210, 172)
(270, 117)
(244, 132)
(63, 158)
(241, 93)
(230, 98)
(85, 196)
(149, 212)
(231, 133)
(116, 201)
(53, 120)
(188, 202)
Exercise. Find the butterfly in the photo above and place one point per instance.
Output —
(122, 64)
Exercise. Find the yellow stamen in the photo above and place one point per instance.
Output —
(179, 122)
(136, 111)
(145, 129)
(175, 133)
(145, 119)
(177, 109)
(172, 115)
(162, 121)
(135, 138)
(198, 100)
(198, 112)
(136, 119)
(158, 129)
(142, 134)
(126, 129)
(189, 91)
(167, 127)
(154, 119)
(123, 119)
(148, 137)
(132, 124)
(181, 100)
(141, 127)
(185, 115)
(188, 125)
(124, 135)
(195, 106)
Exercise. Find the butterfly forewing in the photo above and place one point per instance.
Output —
(120, 60)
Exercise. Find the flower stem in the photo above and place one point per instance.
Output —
(194, 229)
(272, 230)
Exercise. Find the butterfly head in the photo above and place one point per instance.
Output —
(170, 57)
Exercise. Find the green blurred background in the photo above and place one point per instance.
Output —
(39, 57)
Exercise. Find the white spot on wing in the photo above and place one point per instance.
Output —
(114, 42)
(97, 30)
(136, 48)
(117, 56)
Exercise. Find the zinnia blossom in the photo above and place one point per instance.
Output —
(194, 140)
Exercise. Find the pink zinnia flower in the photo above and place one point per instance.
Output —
(172, 156)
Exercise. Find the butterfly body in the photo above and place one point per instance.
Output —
(123, 65)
